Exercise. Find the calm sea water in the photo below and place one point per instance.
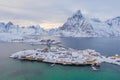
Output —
(11, 69)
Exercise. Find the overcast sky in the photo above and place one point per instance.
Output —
(53, 13)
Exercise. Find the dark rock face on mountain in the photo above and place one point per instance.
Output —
(80, 26)
(77, 23)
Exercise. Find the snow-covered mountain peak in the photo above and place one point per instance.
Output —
(16, 29)
(78, 14)
(2, 24)
(81, 26)
(9, 24)
(77, 24)
(118, 17)
(114, 22)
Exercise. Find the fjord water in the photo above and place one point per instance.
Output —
(12, 69)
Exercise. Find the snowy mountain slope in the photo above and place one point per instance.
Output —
(76, 26)
(114, 22)
(80, 26)
(114, 25)
(10, 31)
(15, 29)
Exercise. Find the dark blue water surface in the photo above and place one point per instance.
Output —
(106, 46)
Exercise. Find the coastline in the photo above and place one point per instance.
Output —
(63, 56)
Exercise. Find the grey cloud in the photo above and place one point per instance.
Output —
(56, 11)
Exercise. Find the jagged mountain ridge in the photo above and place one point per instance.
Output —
(16, 29)
(80, 26)
(76, 26)
(77, 22)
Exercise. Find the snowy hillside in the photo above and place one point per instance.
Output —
(15, 29)
(10, 31)
(80, 26)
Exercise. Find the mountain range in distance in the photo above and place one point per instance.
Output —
(76, 26)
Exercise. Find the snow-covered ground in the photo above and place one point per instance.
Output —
(66, 56)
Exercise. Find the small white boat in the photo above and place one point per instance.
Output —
(94, 68)
(52, 64)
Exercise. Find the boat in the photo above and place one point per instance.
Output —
(94, 68)
(52, 64)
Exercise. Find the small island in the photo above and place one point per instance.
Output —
(66, 56)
